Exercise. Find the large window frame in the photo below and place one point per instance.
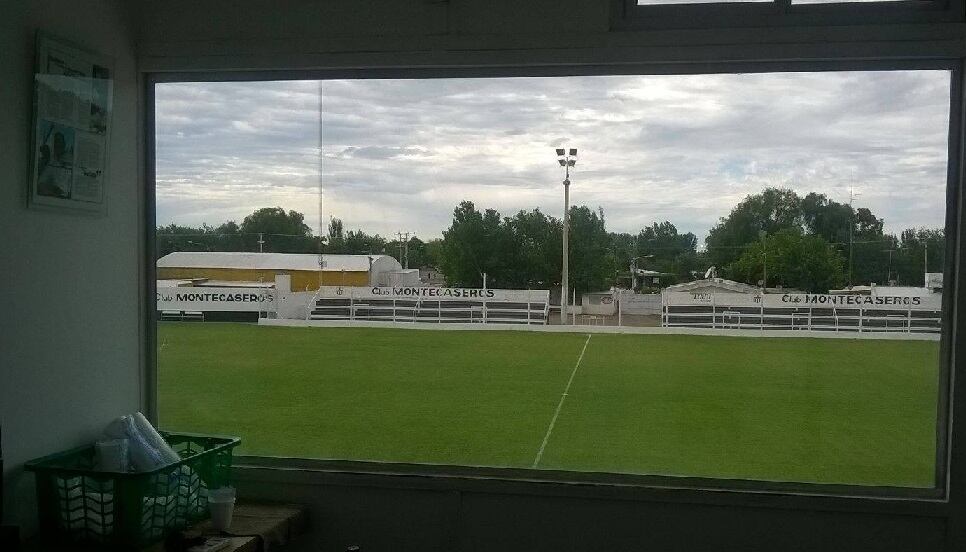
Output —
(626, 14)
(950, 450)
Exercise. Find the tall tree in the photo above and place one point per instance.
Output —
(772, 210)
(358, 242)
(228, 237)
(792, 260)
(826, 218)
(591, 256)
(414, 249)
(280, 232)
(624, 247)
(526, 250)
(870, 249)
(335, 237)
(434, 253)
(537, 241)
(663, 241)
(920, 250)
(665, 250)
(173, 237)
(474, 244)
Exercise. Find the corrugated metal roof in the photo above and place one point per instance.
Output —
(267, 261)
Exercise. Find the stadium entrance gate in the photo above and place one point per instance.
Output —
(432, 304)
(803, 311)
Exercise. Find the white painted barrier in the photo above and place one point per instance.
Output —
(431, 304)
(803, 311)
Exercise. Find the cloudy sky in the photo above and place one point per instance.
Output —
(399, 155)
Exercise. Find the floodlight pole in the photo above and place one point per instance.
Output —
(564, 297)
(764, 261)
(567, 158)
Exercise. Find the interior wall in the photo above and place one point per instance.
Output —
(69, 334)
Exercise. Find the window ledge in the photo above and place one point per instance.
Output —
(672, 489)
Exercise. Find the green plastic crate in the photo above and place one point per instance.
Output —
(128, 510)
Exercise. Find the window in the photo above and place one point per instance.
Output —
(754, 288)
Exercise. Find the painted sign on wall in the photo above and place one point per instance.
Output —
(932, 302)
(217, 299)
(436, 293)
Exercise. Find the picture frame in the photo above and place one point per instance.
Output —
(71, 127)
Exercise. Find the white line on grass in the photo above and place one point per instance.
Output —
(560, 404)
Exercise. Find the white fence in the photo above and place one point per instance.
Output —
(429, 304)
(803, 311)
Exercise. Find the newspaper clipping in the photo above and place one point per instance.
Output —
(72, 113)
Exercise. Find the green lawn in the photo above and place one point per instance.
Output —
(795, 409)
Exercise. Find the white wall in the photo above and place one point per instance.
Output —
(69, 330)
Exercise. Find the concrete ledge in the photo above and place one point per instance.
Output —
(900, 336)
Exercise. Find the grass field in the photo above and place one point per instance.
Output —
(785, 409)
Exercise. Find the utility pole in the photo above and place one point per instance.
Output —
(889, 273)
(261, 242)
(852, 194)
(404, 247)
(566, 159)
(925, 263)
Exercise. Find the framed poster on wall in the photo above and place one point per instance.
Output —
(73, 95)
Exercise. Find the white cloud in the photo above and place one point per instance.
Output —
(400, 154)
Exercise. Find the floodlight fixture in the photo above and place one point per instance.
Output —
(567, 158)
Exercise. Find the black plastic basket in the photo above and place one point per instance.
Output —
(125, 510)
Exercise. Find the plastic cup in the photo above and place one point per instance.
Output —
(221, 504)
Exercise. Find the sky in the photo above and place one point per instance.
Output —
(399, 155)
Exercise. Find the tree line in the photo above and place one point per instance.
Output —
(272, 229)
(814, 244)
(774, 238)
